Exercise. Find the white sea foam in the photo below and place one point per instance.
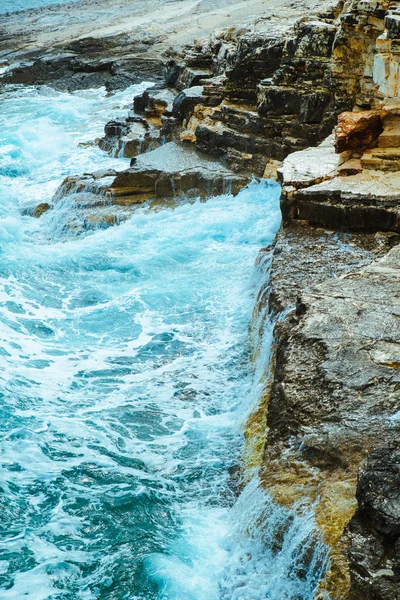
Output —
(126, 374)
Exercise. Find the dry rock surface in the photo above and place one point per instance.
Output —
(97, 42)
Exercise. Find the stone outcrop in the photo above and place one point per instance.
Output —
(140, 131)
(367, 201)
(173, 171)
(335, 393)
(280, 88)
(85, 44)
(170, 172)
(263, 98)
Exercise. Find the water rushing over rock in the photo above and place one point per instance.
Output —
(126, 375)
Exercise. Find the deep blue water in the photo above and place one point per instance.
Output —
(125, 377)
(16, 5)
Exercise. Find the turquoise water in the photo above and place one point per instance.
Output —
(125, 374)
(7, 6)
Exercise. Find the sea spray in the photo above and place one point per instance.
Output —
(126, 373)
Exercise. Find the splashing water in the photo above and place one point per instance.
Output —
(125, 369)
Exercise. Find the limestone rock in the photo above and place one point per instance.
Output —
(154, 101)
(390, 137)
(368, 201)
(169, 171)
(129, 138)
(174, 171)
(382, 159)
(392, 23)
(358, 130)
(312, 166)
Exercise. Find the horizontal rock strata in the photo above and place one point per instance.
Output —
(169, 172)
(262, 98)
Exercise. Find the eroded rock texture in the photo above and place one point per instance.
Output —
(263, 98)
(280, 85)
(335, 393)
(374, 531)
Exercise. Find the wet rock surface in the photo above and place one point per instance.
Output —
(256, 97)
(335, 394)
(374, 531)
(169, 172)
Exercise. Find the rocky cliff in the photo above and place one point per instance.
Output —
(263, 98)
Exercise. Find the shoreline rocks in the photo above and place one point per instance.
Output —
(333, 394)
(169, 172)
(263, 99)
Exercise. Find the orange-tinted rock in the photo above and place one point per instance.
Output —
(358, 130)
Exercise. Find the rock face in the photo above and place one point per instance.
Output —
(358, 194)
(262, 98)
(281, 87)
(334, 398)
(374, 531)
(335, 393)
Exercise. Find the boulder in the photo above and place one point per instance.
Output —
(40, 209)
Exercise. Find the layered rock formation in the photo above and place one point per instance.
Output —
(98, 42)
(264, 98)
(167, 174)
(334, 396)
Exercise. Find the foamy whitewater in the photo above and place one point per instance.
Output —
(126, 376)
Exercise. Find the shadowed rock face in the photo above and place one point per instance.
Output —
(374, 531)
